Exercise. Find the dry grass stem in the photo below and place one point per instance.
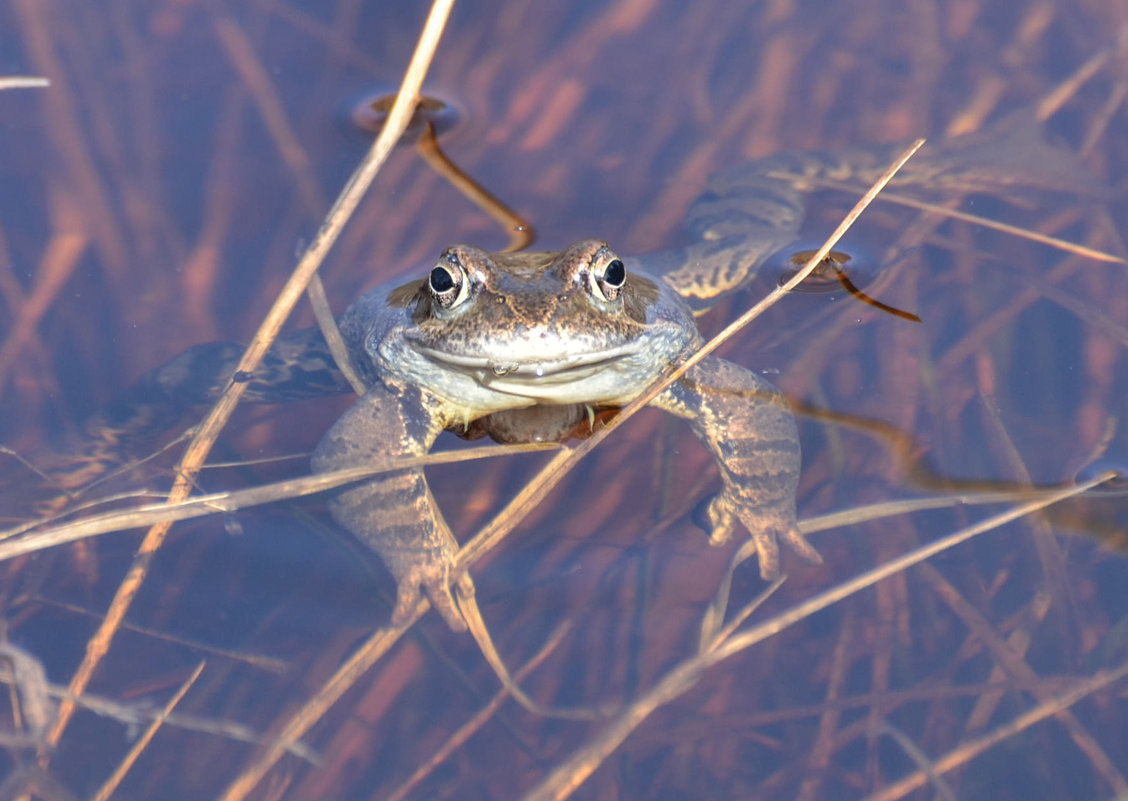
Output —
(65, 127)
(35, 698)
(972, 748)
(894, 566)
(23, 82)
(468, 606)
(1055, 99)
(258, 661)
(327, 322)
(1012, 662)
(975, 219)
(29, 696)
(921, 760)
(823, 748)
(369, 653)
(57, 266)
(714, 629)
(573, 771)
(801, 275)
(114, 781)
(467, 730)
(272, 110)
(18, 541)
(210, 428)
(876, 511)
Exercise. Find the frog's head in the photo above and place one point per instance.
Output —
(554, 327)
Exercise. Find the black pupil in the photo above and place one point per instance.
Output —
(441, 280)
(615, 273)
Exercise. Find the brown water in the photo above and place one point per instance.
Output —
(154, 197)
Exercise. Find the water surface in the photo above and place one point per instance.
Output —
(155, 197)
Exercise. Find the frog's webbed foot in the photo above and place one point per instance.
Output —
(429, 572)
(766, 525)
(750, 430)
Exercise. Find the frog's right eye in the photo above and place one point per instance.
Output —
(447, 284)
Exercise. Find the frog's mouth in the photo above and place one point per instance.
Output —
(497, 372)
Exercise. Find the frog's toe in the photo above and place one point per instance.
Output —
(798, 543)
(720, 519)
(766, 525)
(767, 530)
(407, 596)
(724, 512)
(434, 579)
(767, 550)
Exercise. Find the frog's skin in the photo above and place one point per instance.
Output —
(524, 344)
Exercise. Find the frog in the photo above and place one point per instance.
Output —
(524, 347)
(528, 346)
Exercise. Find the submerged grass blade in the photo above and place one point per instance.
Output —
(973, 748)
(114, 781)
(210, 428)
(21, 540)
(984, 222)
(573, 771)
(23, 82)
(398, 118)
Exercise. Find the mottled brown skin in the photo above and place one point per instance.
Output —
(522, 348)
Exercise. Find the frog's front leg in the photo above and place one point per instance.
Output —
(394, 513)
(747, 425)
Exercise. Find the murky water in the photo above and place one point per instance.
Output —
(155, 197)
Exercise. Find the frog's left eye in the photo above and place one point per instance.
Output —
(608, 277)
(447, 283)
